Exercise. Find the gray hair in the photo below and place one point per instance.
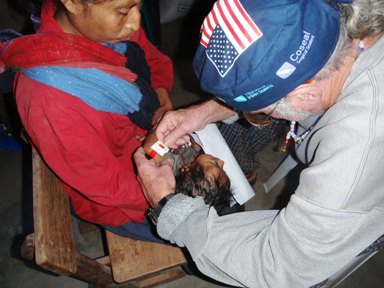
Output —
(362, 18)
(359, 19)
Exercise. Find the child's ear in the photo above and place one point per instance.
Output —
(73, 6)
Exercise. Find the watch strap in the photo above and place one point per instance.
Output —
(154, 213)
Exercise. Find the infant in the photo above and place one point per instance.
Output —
(196, 173)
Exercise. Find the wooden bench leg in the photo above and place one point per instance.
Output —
(28, 247)
(88, 270)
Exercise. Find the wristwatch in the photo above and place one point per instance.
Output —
(154, 213)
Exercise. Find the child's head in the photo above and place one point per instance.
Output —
(108, 21)
(197, 174)
(205, 177)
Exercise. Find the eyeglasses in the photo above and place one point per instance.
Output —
(260, 120)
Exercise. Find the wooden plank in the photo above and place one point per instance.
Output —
(54, 243)
(94, 272)
(159, 278)
(131, 259)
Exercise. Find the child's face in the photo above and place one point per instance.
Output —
(212, 166)
(110, 21)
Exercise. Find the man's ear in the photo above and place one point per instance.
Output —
(73, 6)
(307, 97)
(306, 92)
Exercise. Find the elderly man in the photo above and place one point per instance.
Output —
(304, 61)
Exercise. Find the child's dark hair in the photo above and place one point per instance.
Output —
(216, 192)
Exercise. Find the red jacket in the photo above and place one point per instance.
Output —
(91, 151)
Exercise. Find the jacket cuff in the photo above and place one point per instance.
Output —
(175, 212)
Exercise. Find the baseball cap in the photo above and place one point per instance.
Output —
(254, 52)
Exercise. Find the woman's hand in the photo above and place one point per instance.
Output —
(165, 105)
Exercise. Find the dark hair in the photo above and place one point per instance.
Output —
(216, 192)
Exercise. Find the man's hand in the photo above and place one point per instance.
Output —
(156, 181)
(173, 128)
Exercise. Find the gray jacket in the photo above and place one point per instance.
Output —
(336, 211)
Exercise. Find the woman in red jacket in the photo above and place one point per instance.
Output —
(89, 84)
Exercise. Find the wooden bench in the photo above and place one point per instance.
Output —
(52, 244)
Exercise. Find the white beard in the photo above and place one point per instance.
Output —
(284, 110)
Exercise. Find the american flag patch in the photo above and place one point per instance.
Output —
(227, 32)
